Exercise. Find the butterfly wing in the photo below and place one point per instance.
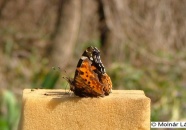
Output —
(86, 81)
(105, 79)
(90, 79)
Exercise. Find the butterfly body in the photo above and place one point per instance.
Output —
(90, 79)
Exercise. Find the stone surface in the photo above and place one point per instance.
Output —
(57, 110)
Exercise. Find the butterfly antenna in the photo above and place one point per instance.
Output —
(56, 68)
(61, 70)
(53, 68)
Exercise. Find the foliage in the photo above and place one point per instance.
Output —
(162, 84)
(9, 110)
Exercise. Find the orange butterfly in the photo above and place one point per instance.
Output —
(90, 79)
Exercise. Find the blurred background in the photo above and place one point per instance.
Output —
(142, 44)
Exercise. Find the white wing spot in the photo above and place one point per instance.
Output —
(95, 57)
(91, 58)
(96, 48)
(83, 57)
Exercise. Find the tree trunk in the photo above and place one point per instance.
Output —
(66, 31)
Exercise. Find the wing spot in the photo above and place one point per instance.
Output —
(91, 58)
(81, 73)
(83, 57)
(95, 57)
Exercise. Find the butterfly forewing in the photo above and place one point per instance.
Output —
(90, 79)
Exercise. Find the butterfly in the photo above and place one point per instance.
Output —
(90, 79)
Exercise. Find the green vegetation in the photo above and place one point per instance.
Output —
(166, 90)
(10, 111)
